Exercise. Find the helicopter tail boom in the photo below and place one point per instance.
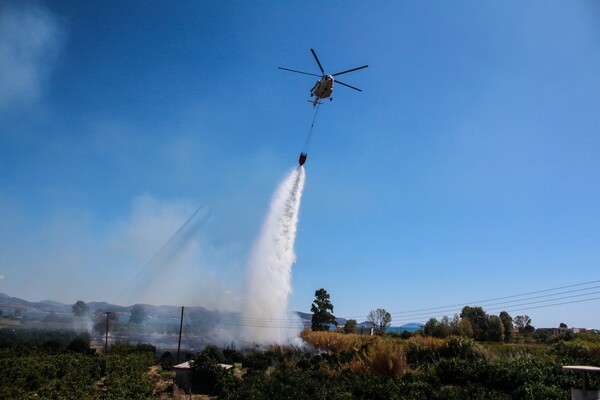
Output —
(314, 102)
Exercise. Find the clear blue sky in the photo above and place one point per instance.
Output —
(468, 168)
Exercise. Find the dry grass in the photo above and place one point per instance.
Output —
(386, 357)
(426, 341)
(373, 354)
(337, 342)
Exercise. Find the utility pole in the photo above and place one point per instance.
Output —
(179, 342)
(106, 333)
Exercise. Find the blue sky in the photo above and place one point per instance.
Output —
(466, 170)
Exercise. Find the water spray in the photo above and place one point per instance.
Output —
(265, 312)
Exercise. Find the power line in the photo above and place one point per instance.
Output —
(483, 302)
(518, 302)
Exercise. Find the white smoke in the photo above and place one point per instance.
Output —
(265, 318)
(30, 41)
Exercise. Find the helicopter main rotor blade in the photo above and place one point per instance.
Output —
(350, 70)
(316, 58)
(299, 72)
(345, 84)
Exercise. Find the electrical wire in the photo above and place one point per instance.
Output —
(514, 303)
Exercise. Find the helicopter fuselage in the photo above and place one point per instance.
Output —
(323, 87)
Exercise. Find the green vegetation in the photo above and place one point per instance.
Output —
(350, 326)
(444, 365)
(322, 310)
(61, 365)
(80, 309)
(350, 366)
(138, 314)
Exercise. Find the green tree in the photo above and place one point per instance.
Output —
(100, 321)
(350, 326)
(562, 325)
(455, 325)
(166, 361)
(430, 327)
(495, 329)
(380, 319)
(138, 314)
(322, 310)
(80, 309)
(507, 322)
(444, 329)
(465, 329)
(479, 321)
(206, 371)
(523, 323)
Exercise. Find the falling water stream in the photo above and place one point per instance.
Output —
(265, 317)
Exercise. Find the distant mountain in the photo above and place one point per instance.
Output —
(52, 303)
(412, 325)
(14, 302)
(307, 318)
(304, 316)
(162, 311)
(103, 306)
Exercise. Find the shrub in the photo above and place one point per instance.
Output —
(206, 372)
(577, 351)
(124, 348)
(457, 346)
(214, 353)
(423, 350)
(232, 356)
(334, 341)
(257, 360)
(387, 358)
(166, 361)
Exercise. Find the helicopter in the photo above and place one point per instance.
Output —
(323, 88)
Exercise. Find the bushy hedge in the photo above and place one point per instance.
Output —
(417, 368)
(61, 365)
(336, 366)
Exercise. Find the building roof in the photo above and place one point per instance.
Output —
(186, 365)
(585, 368)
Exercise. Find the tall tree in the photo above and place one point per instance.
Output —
(379, 319)
(138, 314)
(100, 321)
(464, 328)
(523, 323)
(350, 326)
(507, 322)
(322, 310)
(495, 329)
(430, 327)
(80, 309)
(479, 321)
